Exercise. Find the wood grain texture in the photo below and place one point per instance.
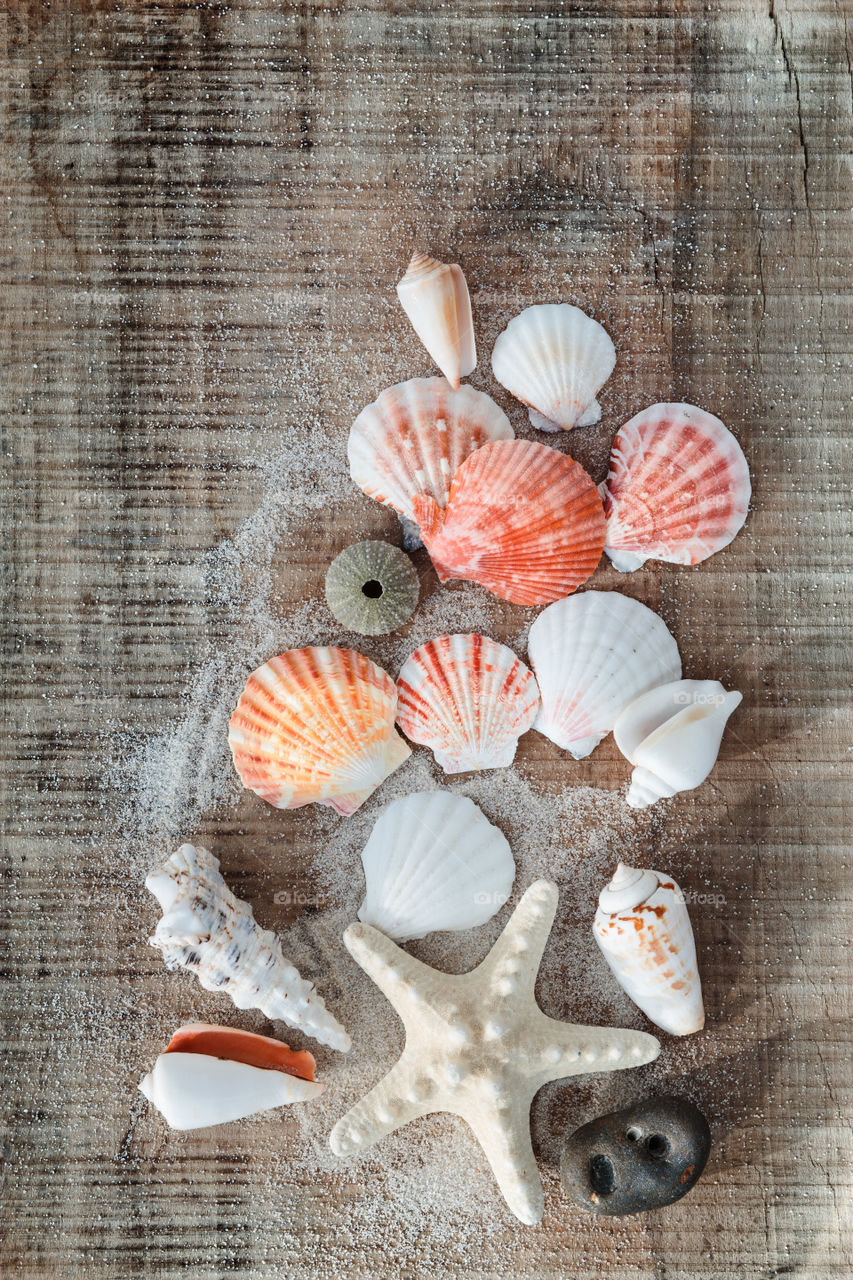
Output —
(206, 209)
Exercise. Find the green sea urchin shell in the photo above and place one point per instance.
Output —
(372, 588)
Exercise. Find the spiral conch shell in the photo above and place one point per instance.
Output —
(644, 932)
(673, 734)
(206, 929)
(435, 298)
(316, 726)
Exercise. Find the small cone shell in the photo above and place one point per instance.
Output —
(645, 935)
(523, 520)
(316, 726)
(435, 298)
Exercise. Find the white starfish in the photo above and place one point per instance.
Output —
(479, 1046)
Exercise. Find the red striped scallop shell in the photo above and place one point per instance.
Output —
(678, 488)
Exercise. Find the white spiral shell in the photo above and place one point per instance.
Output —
(593, 654)
(433, 861)
(672, 735)
(206, 929)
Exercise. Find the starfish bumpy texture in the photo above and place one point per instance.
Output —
(479, 1046)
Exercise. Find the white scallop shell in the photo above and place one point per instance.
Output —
(206, 929)
(433, 861)
(644, 932)
(673, 734)
(593, 654)
(195, 1091)
(555, 359)
(435, 298)
(413, 439)
(469, 699)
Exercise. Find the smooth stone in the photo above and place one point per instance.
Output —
(642, 1158)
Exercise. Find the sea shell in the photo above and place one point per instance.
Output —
(522, 520)
(213, 934)
(678, 488)
(433, 861)
(673, 734)
(413, 439)
(316, 726)
(435, 298)
(555, 359)
(592, 655)
(468, 698)
(209, 1075)
(372, 588)
(644, 931)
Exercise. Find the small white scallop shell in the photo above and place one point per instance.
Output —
(413, 439)
(195, 1091)
(644, 932)
(593, 654)
(433, 861)
(435, 298)
(468, 698)
(555, 359)
(206, 929)
(673, 734)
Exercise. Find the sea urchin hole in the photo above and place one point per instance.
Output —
(602, 1175)
(632, 1134)
(372, 588)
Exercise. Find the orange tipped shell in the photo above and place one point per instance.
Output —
(678, 488)
(316, 726)
(523, 520)
(435, 298)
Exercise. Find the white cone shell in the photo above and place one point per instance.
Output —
(673, 734)
(469, 699)
(555, 359)
(435, 297)
(592, 655)
(195, 1091)
(414, 438)
(213, 934)
(434, 861)
(645, 935)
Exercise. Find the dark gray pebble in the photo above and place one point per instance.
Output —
(642, 1158)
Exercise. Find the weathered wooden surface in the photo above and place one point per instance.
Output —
(206, 209)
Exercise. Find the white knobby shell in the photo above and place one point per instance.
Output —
(555, 359)
(434, 861)
(672, 735)
(644, 932)
(592, 655)
(213, 934)
(195, 1091)
(469, 699)
(413, 439)
(435, 297)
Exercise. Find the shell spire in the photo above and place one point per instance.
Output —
(435, 298)
(207, 930)
(645, 935)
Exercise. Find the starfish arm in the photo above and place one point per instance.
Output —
(397, 974)
(398, 1098)
(513, 962)
(564, 1049)
(505, 1139)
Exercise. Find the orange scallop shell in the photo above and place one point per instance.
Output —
(523, 520)
(316, 726)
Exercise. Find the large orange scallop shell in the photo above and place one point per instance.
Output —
(523, 520)
(316, 726)
(678, 488)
